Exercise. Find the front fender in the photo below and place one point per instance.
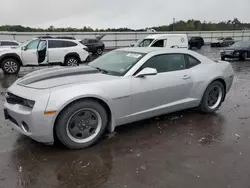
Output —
(57, 103)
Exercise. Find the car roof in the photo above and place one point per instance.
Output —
(156, 36)
(153, 49)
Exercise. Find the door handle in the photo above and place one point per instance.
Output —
(185, 77)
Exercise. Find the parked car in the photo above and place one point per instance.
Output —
(165, 40)
(196, 42)
(8, 43)
(222, 42)
(120, 87)
(42, 51)
(239, 50)
(95, 45)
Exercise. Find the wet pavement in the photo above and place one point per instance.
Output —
(184, 149)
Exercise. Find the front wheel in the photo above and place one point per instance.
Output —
(10, 66)
(243, 57)
(213, 97)
(81, 124)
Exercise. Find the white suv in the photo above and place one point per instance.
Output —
(43, 51)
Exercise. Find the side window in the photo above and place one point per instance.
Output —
(192, 61)
(166, 63)
(158, 43)
(69, 44)
(54, 44)
(32, 45)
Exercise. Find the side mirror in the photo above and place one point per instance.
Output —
(146, 72)
(24, 48)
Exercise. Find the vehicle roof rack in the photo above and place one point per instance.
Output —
(59, 37)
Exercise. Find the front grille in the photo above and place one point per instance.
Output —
(14, 99)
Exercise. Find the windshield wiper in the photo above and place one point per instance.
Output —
(101, 70)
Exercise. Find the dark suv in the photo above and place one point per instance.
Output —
(95, 46)
(197, 42)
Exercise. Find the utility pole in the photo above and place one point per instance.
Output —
(173, 23)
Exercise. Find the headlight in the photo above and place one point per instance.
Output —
(28, 103)
(237, 53)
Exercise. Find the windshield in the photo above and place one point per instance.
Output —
(117, 63)
(25, 43)
(241, 44)
(145, 42)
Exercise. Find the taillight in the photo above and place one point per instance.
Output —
(86, 49)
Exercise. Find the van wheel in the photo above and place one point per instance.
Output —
(72, 61)
(10, 66)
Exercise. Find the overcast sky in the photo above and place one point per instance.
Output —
(118, 13)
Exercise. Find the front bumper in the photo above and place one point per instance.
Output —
(39, 127)
(230, 55)
(30, 122)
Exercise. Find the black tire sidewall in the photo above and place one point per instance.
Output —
(101, 51)
(203, 105)
(71, 57)
(13, 60)
(61, 123)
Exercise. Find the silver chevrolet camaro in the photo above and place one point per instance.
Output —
(77, 105)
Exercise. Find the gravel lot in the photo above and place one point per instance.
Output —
(184, 149)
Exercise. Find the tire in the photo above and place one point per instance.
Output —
(243, 56)
(99, 51)
(198, 46)
(88, 59)
(223, 58)
(72, 61)
(65, 124)
(10, 66)
(204, 105)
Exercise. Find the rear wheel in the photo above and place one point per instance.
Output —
(199, 46)
(223, 58)
(72, 61)
(99, 51)
(213, 97)
(10, 66)
(81, 124)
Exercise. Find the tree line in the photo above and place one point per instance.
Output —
(190, 25)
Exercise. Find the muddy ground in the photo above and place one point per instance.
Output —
(184, 149)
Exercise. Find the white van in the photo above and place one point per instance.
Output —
(165, 40)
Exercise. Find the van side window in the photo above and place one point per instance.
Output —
(158, 43)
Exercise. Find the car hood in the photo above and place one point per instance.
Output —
(9, 50)
(56, 77)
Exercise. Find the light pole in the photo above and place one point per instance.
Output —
(173, 23)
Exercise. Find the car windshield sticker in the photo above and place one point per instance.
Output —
(134, 55)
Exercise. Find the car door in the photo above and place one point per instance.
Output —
(162, 93)
(42, 52)
(56, 50)
(29, 53)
